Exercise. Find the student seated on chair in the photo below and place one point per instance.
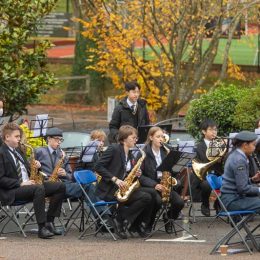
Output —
(114, 166)
(51, 156)
(151, 178)
(238, 191)
(16, 186)
(209, 131)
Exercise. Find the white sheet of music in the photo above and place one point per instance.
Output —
(41, 124)
(186, 146)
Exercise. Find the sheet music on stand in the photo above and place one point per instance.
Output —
(40, 125)
(230, 143)
(186, 146)
(257, 132)
(89, 151)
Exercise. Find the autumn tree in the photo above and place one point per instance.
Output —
(168, 46)
(23, 74)
(81, 62)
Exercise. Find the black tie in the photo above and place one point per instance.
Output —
(54, 155)
(133, 108)
(18, 166)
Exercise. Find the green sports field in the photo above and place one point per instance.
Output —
(242, 52)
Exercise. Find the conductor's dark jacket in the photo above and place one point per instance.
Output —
(123, 115)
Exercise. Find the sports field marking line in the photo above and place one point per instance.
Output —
(179, 239)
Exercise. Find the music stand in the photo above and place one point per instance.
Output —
(39, 126)
(174, 162)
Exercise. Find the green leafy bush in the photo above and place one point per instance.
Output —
(248, 109)
(219, 105)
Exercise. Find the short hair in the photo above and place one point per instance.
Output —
(152, 132)
(9, 128)
(97, 134)
(205, 124)
(125, 131)
(132, 85)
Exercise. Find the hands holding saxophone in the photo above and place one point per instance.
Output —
(122, 184)
(37, 165)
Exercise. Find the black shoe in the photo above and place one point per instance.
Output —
(205, 210)
(45, 233)
(120, 228)
(143, 231)
(50, 226)
(167, 224)
(109, 223)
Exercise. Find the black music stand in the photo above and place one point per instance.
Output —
(174, 162)
(41, 125)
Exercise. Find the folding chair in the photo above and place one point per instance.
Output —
(85, 177)
(215, 183)
(11, 215)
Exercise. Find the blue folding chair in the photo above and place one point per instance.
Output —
(215, 183)
(85, 177)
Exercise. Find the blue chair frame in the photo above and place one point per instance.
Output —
(215, 183)
(85, 177)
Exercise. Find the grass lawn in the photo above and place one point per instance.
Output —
(61, 6)
(243, 51)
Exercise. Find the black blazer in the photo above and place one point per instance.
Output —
(8, 175)
(201, 157)
(111, 163)
(149, 173)
(122, 115)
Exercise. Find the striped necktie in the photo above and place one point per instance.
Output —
(18, 166)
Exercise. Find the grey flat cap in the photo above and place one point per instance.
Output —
(54, 131)
(246, 136)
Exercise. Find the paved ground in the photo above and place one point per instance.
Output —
(103, 247)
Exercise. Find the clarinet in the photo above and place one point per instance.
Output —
(256, 160)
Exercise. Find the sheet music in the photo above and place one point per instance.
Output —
(90, 150)
(230, 137)
(186, 146)
(41, 124)
(257, 131)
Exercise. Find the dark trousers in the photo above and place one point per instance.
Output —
(138, 205)
(176, 205)
(202, 187)
(155, 204)
(37, 194)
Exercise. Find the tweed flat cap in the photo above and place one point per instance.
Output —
(246, 136)
(54, 131)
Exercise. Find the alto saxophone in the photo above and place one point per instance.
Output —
(55, 173)
(132, 183)
(167, 181)
(35, 175)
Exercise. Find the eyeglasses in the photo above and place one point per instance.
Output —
(58, 139)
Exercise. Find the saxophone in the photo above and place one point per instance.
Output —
(35, 175)
(167, 181)
(55, 176)
(131, 181)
